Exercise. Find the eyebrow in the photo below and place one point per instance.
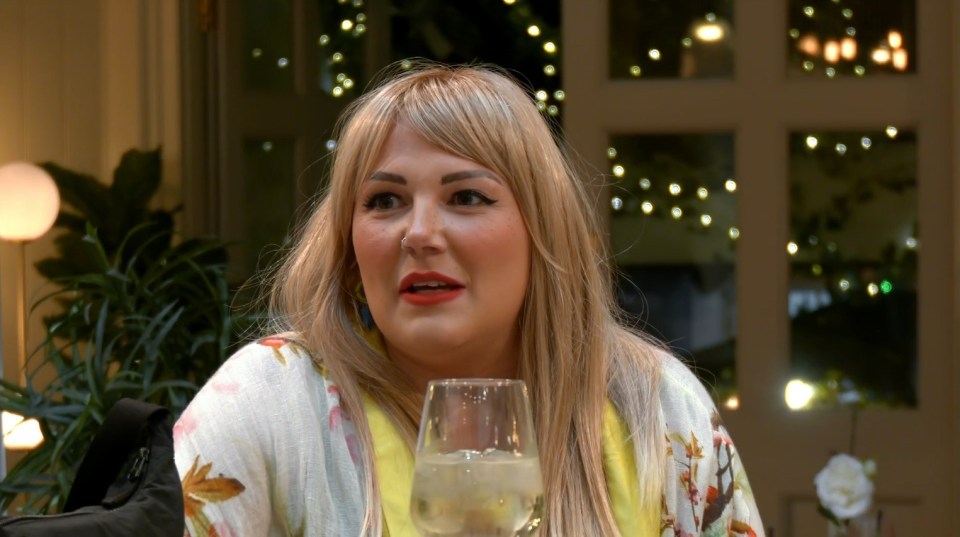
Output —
(446, 179)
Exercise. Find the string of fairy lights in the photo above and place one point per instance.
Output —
(338, 45)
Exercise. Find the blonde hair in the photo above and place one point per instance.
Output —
(575, 354)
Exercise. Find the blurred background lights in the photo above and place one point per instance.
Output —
(635, 70)
(256, 53)
(550, 47)
(702, 193)
(812, 142)
(886, 287)
(533, 30)
(706, 220)
(644, 183)
(844, 284)
(675, 189)
(611, 152)
(618, 170)
(797, 394)
(841, 148)
(732, 402)
(873, 289)
(910, 243)
(866, 142)
(792, 248)
(282, 62)
(733, 233)
(541, 95)
(891, 131)
(654, 54)
(676, 213)
(709, 32)
(809, 11)
(617, 203)
(646, 207)
(19, 433)
(730, 185)
(346, 25)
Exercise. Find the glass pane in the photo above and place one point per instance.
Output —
(267, 45)
(522, 37)
(673, 231)
(851, 37)
(343, 30)
(269, 197)
(658, 39)
(853, 266)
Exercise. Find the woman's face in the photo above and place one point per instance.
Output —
(447, 300)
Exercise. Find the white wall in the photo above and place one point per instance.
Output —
(82, 81)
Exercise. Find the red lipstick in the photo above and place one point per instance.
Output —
(429, 288)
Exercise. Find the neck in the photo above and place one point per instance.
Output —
(457, 363)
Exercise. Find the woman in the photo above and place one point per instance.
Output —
(454, 241)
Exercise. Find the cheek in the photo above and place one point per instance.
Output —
(371, 248)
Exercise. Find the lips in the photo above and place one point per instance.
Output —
(427, 288)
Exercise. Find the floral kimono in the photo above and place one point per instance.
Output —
(264, 449)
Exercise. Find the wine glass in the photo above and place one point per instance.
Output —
(477, 466)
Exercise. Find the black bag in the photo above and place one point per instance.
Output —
(127, 484)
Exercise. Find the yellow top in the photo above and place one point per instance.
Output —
(395, 462)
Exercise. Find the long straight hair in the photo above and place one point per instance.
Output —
(575, 354)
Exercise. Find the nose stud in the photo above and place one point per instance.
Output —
(403, 242)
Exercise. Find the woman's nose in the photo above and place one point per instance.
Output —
(425, 229)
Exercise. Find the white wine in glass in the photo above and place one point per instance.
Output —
(477, 466)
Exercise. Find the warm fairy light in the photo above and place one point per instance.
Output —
(809, 45)
(880, 55)
(847, 13)
(644, 183)
(676, 213)
(541, 95)
(831, 51)
(611, 152)
(550, 47)
(635, 70)
(323, 40)
(337, 57)
(553, 110)
(559, 95)
(706, 220)
(792, 248)
(616, 203)
(732, 402)
(891, 131)
(618, 170)
(859, 70)
(911, 243)
(702, 193)
(797, 394)
(675, 189)
(549, 70)
(866, 142)
(894, 39)
(686, 42)
(844, 284)
(533, 30)
(809, 11)
(19, 433)
(654, 54)
(256, 53)
(709, 32)
(346, 25)
(841, 149)
(851, 31)
(794, 33)
(646, 207)
(848, 48)
(733, 233)
(808, 65)
(348, 83)
(830, 71)
(816, 269)
(509, 2)
(730, 185)
(812, 142)
(282, 62)
(337, 91)
(900, 59)
(873, 289)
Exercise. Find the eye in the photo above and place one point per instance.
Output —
(382, 201)
(471, 198)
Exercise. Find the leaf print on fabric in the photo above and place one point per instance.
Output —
(276, 343)
(199, 490)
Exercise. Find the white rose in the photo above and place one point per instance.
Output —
(843, 487)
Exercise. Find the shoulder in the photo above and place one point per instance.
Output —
(683, 396)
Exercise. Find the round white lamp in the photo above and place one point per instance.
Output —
(29, 203)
